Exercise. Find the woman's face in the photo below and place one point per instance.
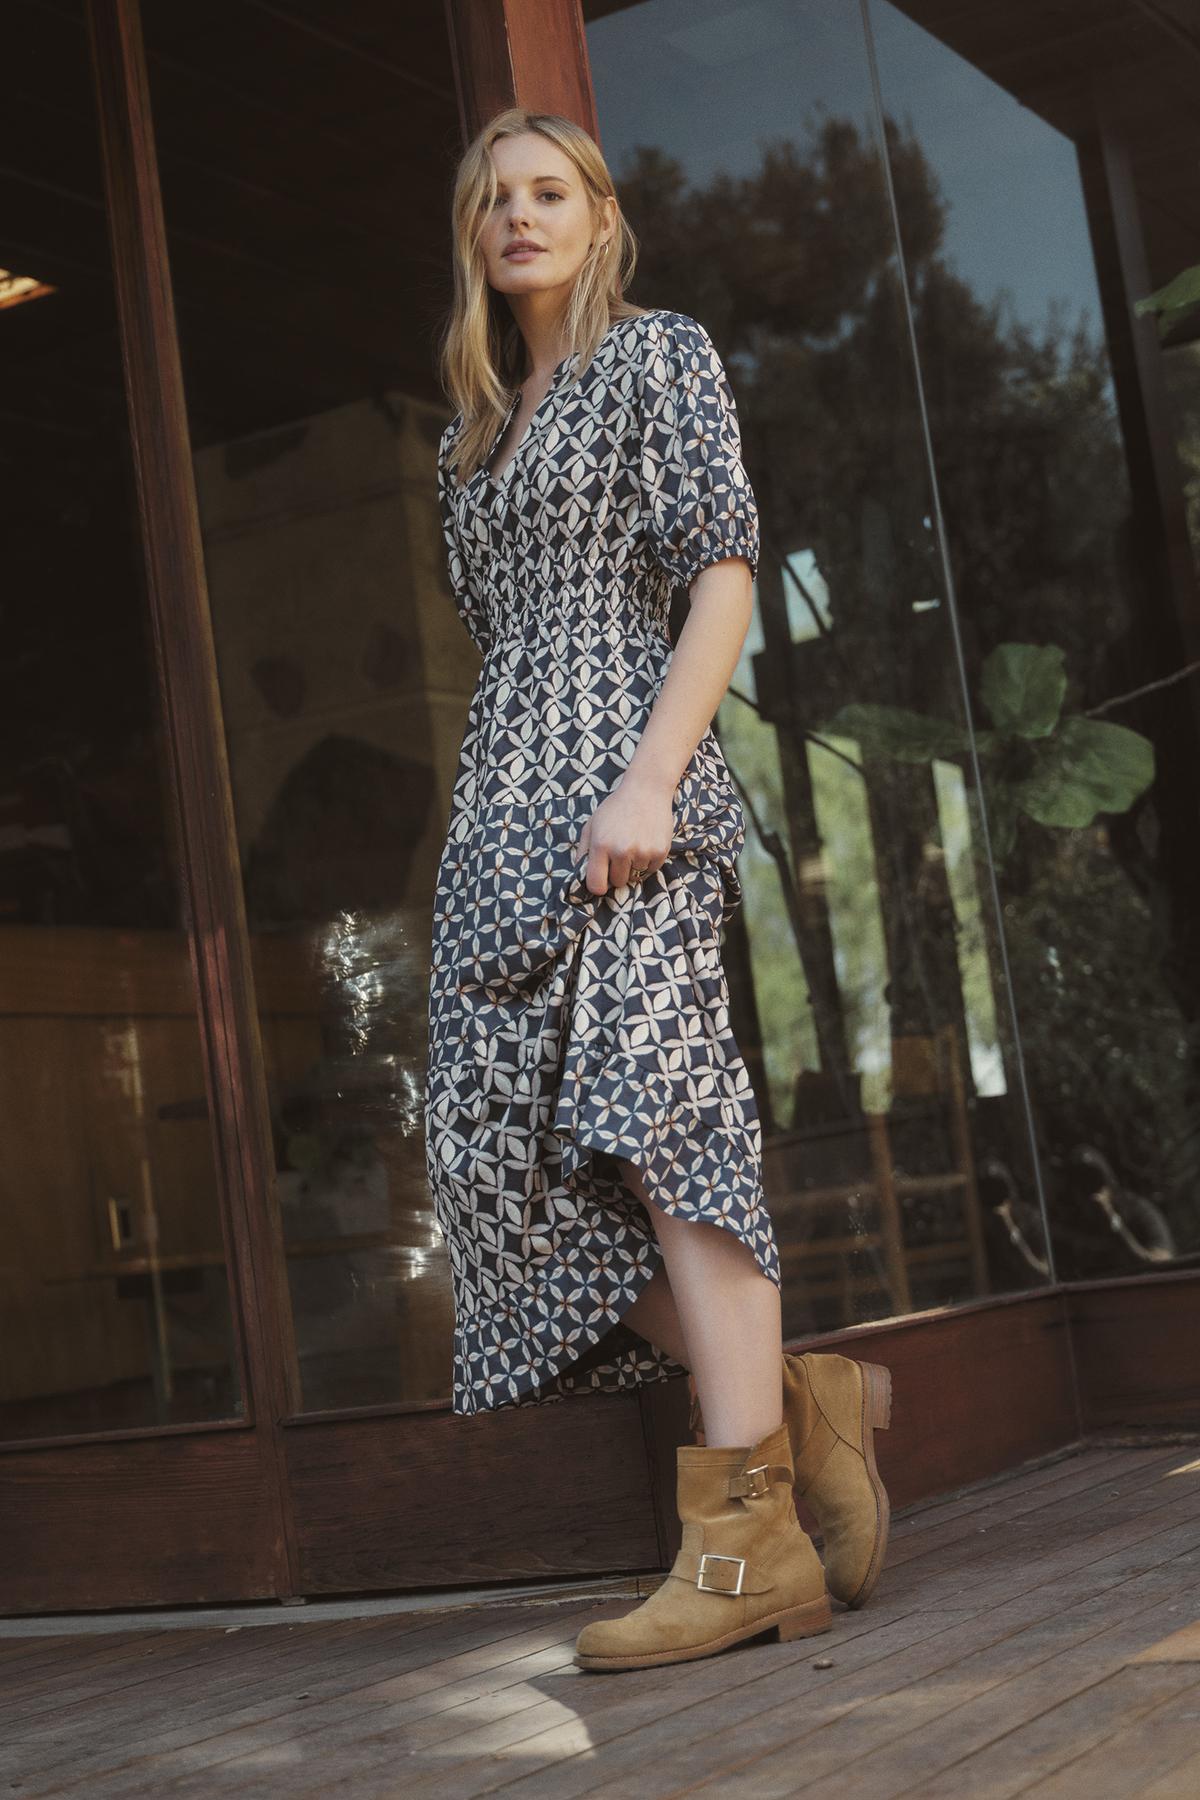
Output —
(540, 200)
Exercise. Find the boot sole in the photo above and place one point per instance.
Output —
(809, 1620)
(876, 1416)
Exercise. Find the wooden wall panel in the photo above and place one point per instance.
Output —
(975, 1389)
(165, 1519)
(466, 1501)
(1137, 1346)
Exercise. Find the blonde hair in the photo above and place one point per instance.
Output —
(481, 347)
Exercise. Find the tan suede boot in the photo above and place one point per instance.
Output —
(745, 1566)
(833, 1407)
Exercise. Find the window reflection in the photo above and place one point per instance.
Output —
(960, 723)
(1050, 228)
(871, 990)
(114, 1298)
(307, 266)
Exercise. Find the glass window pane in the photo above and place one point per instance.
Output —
(306, 202)
(1067, 462)
(114, 1299)
(871, 999)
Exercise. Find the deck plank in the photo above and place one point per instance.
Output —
(1163, 1735)
(1180, 1783)
(424, 1647)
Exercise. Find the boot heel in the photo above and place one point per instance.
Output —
(805, 1621)
(878, 1383)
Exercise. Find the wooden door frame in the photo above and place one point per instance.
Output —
(185, 653)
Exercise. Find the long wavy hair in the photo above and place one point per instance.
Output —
(481, 352)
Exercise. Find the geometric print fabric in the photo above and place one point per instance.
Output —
(568, 1028)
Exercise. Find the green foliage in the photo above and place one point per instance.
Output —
(896, 731)
(1087, 767)
(1057, 771)
(1174, 302)
(1023, 687)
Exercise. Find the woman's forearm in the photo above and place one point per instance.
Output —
(698, 676)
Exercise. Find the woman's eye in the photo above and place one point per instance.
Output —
(546, 194)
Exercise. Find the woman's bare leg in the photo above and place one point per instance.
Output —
(729, 1315)
(654, 1317)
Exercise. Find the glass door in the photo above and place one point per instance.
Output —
(305, 228)
(116, 1308)
(122, 1370)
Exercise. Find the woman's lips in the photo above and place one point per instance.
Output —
(521, 255)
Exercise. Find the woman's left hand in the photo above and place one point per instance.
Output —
(631, 829)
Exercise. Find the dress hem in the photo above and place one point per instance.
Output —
(625, 1372)
(632, 1367)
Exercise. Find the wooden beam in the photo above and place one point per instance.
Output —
(519, 53)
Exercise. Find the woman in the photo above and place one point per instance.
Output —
(594, 1148)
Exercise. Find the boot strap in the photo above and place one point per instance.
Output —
(715, 1573)
(758, 1480)
(811, 1459)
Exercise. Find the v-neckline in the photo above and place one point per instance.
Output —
(500, 484)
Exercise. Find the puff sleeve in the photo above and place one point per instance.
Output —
(466, 599)
(699, 504)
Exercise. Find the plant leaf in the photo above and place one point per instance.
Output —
(1022, 686)
(896, 731)
(1182, 291)
(1089, 766)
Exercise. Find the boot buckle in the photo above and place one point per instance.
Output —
(751, 1483)
(712, 1556)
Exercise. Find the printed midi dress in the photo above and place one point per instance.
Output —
(566, 1028)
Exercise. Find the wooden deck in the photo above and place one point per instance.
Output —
(1033, 1635)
